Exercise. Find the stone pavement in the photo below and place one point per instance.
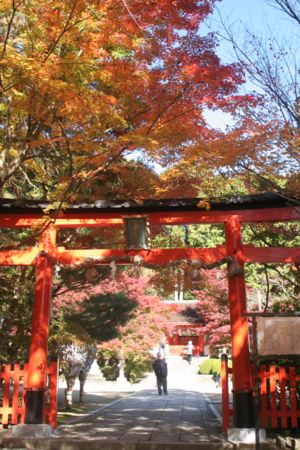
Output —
(183, 415)
(145, 416)
(184, 419)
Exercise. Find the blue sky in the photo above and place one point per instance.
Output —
(257, 14)
(259, 17)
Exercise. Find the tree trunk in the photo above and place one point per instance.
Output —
(82, 379)
(69, 392)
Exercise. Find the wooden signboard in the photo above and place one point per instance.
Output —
(278, 335)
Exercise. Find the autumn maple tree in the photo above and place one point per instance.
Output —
(85, 83)
(122, 306)
(213, 307)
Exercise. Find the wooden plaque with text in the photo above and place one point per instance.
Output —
(278, 335)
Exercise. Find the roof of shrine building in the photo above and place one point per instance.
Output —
(256, 201)
(187, 316)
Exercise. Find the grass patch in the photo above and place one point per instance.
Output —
(78, 409)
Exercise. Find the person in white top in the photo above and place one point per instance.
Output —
(164, 348)
(189, 351)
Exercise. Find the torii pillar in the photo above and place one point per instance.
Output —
(37, 367)
(242, 375)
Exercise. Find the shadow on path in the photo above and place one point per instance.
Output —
(183, 416)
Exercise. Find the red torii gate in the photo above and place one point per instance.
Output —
(232, 213)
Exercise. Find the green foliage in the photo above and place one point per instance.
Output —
(65, 332)
(110, 372)
(185, 236)
(101, 314)
(289, 304)
(18, 238)
(275, 284)
(273, 235)
(136, 367)
(17, 290)
(84, 237)
(212, 366)
(17, 293)
(177, 236)
(108, 362)
(225, 185)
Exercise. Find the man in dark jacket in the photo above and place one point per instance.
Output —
(161, 371)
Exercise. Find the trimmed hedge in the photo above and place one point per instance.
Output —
(136, 365)
(212, 366)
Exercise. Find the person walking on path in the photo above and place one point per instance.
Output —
(189, 351)
(163, 349)
(161, 371)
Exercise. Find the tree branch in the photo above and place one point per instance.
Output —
(288, 8)
(64, 30)
(268, 288)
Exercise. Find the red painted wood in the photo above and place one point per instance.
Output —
(225, 394)
(273, 388)
(294, 412)
(74, 220)
(283, 406)
(263, 375)
(69, 221)
(5, 404)
(37, 366)
(163, 256)
(227, 411)
(245, 216)
(15, 398)
(38, 351)
(53, 388)
(285, 255)
(237, 298)
(21, 221)
(12, 410)
(155, 256)
(18, 257)
(176, 218)
(200, 343)
(9, 409)
(270, 411)
(39, 337)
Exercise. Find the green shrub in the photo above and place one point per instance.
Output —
(212, 366)
(136, 367)
(108, 363)
(110, 373)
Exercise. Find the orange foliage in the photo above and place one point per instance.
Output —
(86, 82)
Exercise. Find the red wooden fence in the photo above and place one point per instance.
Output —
(227, 411)
(279, 396)
(13, 380)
